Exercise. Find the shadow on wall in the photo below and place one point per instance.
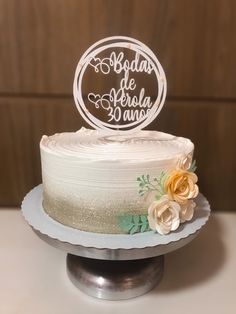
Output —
(195, 263)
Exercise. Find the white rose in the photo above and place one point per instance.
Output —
(185, 162)
(186, 211)
(163, 215)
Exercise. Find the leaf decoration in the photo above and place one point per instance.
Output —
(145, 184)
(143, 218)
(134, 229)
(134, 223)
(193, 166)
(157, 184)
(136, 220)
(139, 223)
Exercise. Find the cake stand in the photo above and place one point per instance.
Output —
(112, 267)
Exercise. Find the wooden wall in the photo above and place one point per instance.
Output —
(41, 42)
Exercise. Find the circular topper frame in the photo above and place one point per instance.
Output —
(132, 120)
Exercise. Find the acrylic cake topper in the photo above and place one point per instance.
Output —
(127, 106)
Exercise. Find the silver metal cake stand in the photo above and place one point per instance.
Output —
(112, 267)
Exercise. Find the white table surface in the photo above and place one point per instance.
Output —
(199, 278)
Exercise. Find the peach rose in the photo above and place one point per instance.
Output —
(186, 211)
(181, 186)
(163, 215)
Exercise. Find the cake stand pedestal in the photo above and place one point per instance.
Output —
(111, 267)
(110, 279)
(107, 274)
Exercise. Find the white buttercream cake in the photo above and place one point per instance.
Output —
(90, 177)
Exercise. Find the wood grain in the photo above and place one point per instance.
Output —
(210, 125)
(23, 121)
(41, 42)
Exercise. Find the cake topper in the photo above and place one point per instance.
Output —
(129, 105)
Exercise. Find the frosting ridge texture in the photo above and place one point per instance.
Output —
(89, 177)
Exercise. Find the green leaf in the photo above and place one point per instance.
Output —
(126, 223)
(128, 218)
(143, 219)
(136, 220)
(193, 166)
(133, 224)
(134, 229)
(144, 227)
(126, 227)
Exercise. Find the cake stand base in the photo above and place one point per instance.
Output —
(115, 280)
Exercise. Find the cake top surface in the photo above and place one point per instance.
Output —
(96, 145)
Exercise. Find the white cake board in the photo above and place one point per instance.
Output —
(110, 246)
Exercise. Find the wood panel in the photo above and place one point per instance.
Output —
(23, 121)
(210, 125)
(41, 41)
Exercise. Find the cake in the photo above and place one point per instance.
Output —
(90, 178)
(117, 178)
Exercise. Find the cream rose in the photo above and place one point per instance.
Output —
(187, 211)
(181, 186)
(185, 162)
(163, 215)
